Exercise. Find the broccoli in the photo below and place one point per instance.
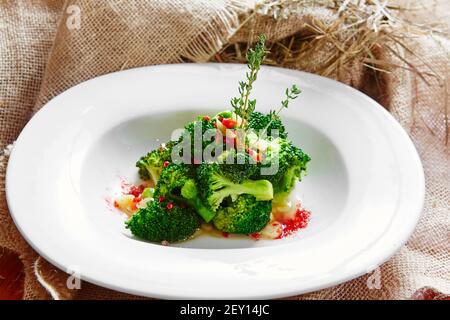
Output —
(191, 194)
(204, 122)
(245, 215)
(161, 221)
(259, 121)
(292, 162)
(172, 178)
(215, 186)
(241, 168)
(177, 182)
(150, 165)
(190, 133)
(237, 197)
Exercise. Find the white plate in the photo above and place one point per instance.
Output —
(365, 185)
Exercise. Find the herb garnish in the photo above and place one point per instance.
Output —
(243, 105)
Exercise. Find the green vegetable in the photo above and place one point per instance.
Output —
(147, 193)
(292, 163)
(177, 183)
(241, 167)
(245, 215)
(150, 165)
(215, 186)
(225, 114)
(189, 190)
(191, 194)
(267, 122)
(172, 179)
(234, 195)
(193, 130)
(157, 223)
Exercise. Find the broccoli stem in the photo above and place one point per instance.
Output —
(203, 211)
(281, 198)
(190, 194)
(154, 174)
(261, 189)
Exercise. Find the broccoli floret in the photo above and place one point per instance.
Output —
(190, 133)
(292, 163)
(259, 121)
(204, 122)
(157, 222)
(150, 165)
(215, 186)
(241, 168)
(245, 215)
(177, 182)
(172, 179)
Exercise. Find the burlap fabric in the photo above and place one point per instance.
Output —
(113, 35)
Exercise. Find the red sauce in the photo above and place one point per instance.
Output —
(299, 221)
(130, 189)
(288, 226)
(135, 191)
(255, 236)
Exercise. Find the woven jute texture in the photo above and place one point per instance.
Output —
(48, 46)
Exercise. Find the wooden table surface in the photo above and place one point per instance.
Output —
(11, 276)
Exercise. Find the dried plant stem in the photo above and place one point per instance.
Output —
(359, 29)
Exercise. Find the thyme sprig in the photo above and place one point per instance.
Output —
(243, 105)
(291, 94)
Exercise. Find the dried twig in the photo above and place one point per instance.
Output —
(361, 28)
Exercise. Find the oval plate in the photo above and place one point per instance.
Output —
(365, 184)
